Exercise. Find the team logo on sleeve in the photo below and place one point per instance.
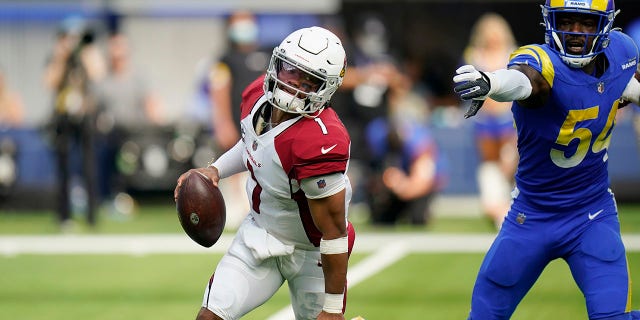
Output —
(321, 184)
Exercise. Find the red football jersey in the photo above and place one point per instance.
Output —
(279, 159)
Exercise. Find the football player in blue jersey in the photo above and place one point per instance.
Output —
(566, 93)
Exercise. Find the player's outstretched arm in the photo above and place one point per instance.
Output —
(501, 85)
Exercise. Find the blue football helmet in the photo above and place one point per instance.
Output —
(602, 10)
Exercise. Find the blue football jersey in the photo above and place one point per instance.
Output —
(563, 144)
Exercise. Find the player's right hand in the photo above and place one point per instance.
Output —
(210, 172)
(471, 84)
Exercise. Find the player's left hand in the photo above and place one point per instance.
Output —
(330, 316)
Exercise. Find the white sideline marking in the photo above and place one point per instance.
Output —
(106, 244)
(181, 244)
(379, 260)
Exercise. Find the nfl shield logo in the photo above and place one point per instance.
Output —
(521, 218)
(254, 145)
(600, 87)
(322, 183)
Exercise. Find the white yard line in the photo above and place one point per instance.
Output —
(181, 244)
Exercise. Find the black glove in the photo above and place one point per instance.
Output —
(473, 108)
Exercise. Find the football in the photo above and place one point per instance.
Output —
(201, 209)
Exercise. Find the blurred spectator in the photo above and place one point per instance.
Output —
(363, 96)
(126, 105)
(371, 68)
(11, 107)
(125, 94)
(489, 47)
(11, 118)
(73, 68)
(241, 64)
(406, 167)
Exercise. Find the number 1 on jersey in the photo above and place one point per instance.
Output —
(322, 126)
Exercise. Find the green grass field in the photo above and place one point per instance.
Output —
(170, 286)
(420, 286)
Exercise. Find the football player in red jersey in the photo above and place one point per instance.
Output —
(296, 150)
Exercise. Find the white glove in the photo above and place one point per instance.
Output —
(471, 83)
(501, 85)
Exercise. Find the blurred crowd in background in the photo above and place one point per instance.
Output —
(103, 103)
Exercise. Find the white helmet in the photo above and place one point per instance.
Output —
(317, 55)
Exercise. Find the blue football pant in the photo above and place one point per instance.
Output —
(593, 249)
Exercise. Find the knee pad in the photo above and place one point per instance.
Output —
(505, 272)
(603, 243)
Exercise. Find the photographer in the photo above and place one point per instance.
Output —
(73, 68)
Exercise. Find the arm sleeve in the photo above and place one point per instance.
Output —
(323, 186)
(230, 162)
(508, 85)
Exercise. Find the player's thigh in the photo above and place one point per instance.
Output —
(599, 267)
(306, 283)
(510, 268)
(241, 283)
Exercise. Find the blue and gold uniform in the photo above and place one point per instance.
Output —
(563, 144)
(562, 205)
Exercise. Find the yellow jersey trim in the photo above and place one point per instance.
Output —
(541, 57)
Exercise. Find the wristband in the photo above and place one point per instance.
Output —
(333, 302)
(334, 246)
